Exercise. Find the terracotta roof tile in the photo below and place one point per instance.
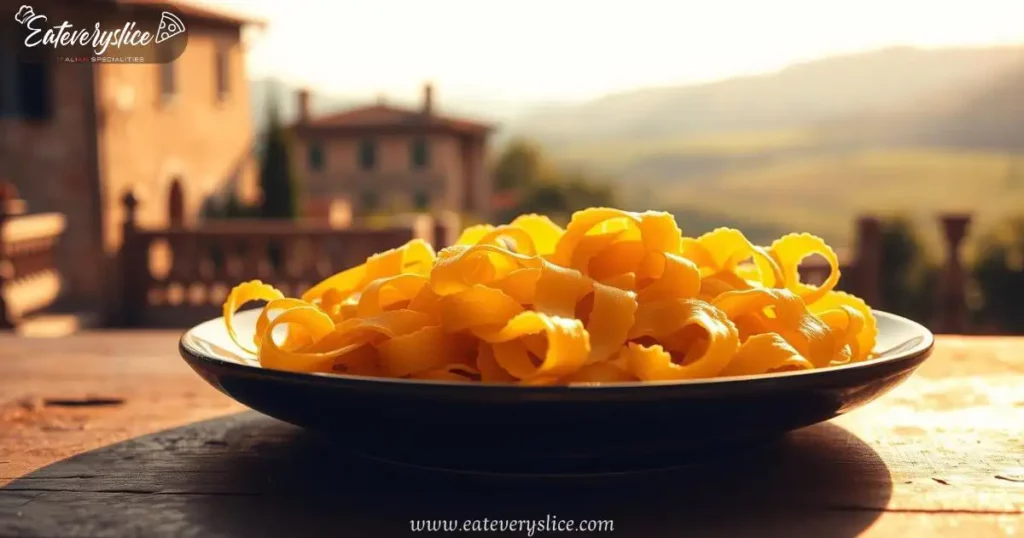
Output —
(201, 12)
(386, 115)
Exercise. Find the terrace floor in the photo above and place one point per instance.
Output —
(109, 433)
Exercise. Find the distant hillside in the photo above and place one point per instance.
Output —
(794, 97)
(823, 194)
(991, 117)
(902, 98)
(814, 145)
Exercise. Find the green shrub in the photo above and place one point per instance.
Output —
(909, 274)
(998, 277)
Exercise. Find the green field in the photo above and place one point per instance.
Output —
(819, 190)
(824, 195)
(624, 153)
(815, 145)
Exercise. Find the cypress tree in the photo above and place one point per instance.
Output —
(278, 179)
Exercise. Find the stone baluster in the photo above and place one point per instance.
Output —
(255, 258)
(6, 268)
(134, 265)
(447, 227)
(867, 276)
(951, 304)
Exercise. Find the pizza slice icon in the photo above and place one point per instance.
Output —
(170, 26)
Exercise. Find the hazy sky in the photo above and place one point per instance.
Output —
(503, 51)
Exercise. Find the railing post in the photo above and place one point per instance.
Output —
(5, 264)
(133, 291)
(176, 205)
(951, 315)
(447, 227)
(868, 260)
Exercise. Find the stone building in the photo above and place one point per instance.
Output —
(75, 136)
(387, 158)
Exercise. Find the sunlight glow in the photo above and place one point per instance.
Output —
(580, 49)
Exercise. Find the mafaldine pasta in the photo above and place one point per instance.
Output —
(614, 297)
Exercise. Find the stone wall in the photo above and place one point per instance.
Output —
(52, 163)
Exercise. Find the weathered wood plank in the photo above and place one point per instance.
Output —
(110, 434)
(59, 515)
(215, 473)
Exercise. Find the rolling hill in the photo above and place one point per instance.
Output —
(809, 148)
(991, 118)
(794, 97)
(823, 194)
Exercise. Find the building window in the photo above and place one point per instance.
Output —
(367, 155)
(316, 156)
(168, 80)
(419, 154)
(420, 200)
(370, 201)
(8, 80)
(35, 99)
(222, 66)
(26, 87)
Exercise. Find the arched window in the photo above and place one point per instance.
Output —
(222, 71)
(168, 80)
(176, 203)
(316, 156)
(367, 155)
(419, 154)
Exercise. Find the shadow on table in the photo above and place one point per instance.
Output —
(249, 475)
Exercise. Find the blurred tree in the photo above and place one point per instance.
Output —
(211, 209)
(546, 198)
(277, 177)
(520, 166)
(583, 191)
(998, 275)
(231, 207)
(234, 209)
(540, 187)
(909, 275)
(560, 199)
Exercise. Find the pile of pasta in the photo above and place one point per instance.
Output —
(613, 297)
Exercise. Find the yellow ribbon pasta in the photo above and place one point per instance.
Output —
(613, 297)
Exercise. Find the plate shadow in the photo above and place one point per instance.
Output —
(253, 476)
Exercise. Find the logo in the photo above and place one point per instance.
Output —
(170, 26)
(24, 14)
(148, 34)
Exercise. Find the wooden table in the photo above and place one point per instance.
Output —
(111, 434)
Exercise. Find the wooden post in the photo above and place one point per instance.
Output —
(951, 315)
(447, 227)
(5, 264)
(868, 260)
(133, 283)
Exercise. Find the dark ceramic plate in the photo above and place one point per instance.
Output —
(559, 430)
